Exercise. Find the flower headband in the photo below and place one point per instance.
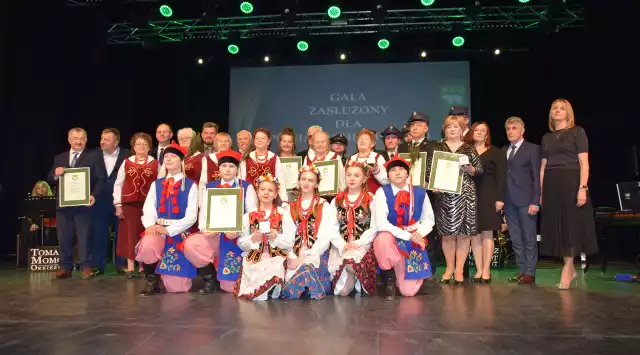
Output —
(311, 168)
(354, 163)
(268, 178)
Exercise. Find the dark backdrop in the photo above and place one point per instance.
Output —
(59, 73)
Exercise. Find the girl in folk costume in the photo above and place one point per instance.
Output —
(261, 161)
(404, 217)
(267, 239)
(206, 249)
(315, 218)
(130, 191)
(377, 175)
(210, 169)
(169, 212)
(351, 261)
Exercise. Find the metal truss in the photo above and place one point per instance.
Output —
(351, 22)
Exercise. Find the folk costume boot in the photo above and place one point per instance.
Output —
(152, 280)
(211, 283)
(389, 280)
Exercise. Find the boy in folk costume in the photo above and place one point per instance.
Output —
(307, 269)
(267, 239)
(206, 249)
(404, 217)
(352, 263)
(169, 212)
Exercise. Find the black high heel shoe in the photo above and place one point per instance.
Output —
(477, 280)
(446, 281)
(485, 281)
(457, 283)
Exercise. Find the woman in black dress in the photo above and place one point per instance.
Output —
(490, 187)
(567, 225)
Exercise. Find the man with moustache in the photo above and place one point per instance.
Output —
(163, 135)
(391, 137)
(208, 135)
(75, 222)
(418, 129)
(105, 218)
(245, 140)
(310, 132)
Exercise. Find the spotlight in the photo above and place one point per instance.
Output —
(266, 59)
(423, 54)
(383, 39)
(427, 2)
(334, 12)
(246, 7)
(523, 1)
(458, 41)
(343, 56)
(200, 61)
(497, 51)
(166, 11)
(302, 46)
(233, 49)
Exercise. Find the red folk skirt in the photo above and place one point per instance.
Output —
(130, 229)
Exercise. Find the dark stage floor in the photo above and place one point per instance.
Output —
(106, 316)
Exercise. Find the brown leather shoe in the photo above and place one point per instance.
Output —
(516, 278)
(527, 280)
(87, 273)
(62, 274)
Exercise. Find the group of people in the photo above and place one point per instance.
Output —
(302, 244)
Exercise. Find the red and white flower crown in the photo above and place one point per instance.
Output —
(311, 168)
(351, 163)
(268, 178)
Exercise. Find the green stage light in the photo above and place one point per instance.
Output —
(166, 11)
(334, 12)
(233, 49)
(246, 7)
(302, 46)
(458, 41)
(383, 43)
(523, 1)
(427, 2)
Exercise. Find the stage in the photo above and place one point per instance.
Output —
(106, 316)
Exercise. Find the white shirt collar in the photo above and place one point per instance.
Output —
(396, 190)
(420, 141)
(114, 154)
(71, 152)
(223, 181)
(177, 176)
(517, 144)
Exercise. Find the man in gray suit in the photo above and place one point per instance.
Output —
(522, 199)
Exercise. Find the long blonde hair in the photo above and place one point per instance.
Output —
(44, 184)
(570, 116)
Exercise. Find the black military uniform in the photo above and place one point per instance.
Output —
(391, 130)
(341, 139)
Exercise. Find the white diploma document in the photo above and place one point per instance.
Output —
(225, 210)
(290, 168)
(447, 173)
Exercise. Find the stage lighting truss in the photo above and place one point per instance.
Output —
(350, 22)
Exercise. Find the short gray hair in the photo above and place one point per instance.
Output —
(186, 130)
(77, 130)
(514, 120)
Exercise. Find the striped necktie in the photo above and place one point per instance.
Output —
(74, 161)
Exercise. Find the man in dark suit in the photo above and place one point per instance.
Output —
(522, 199)
(418, 129)
(310, 132)
(76, 221)
(104, 211)
(391, 137)
(339, 144)
(163, 136)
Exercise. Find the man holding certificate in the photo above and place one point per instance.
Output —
(79, 175)
(211, 247)
(169, 212)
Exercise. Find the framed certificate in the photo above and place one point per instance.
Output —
(418, 169)
(75, 187)
(328, 176)
(290, 167)
(225, 208)
(446, 175)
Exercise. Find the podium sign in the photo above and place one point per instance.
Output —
(44, 259)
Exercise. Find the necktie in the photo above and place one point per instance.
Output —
(161, 156)
(226, 186)
(74, 161)
(513, 151)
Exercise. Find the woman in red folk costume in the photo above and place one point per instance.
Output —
(129, 193)
(210, 165)
(377, 174)
(191, 142)
(267, 239)
(261, 161)
(403, 219)
(352, 263)
(169, 212)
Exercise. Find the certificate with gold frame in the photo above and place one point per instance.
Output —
(75, 187)
(290, 168)
(418, 169)
(328, 176)
(225, 208)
